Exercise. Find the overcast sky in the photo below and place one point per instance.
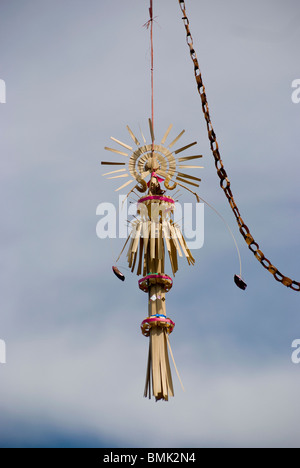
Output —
(76, 73)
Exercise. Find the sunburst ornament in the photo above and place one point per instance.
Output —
(154, 234)
(148, 159)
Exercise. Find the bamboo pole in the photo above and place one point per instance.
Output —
(158, 367)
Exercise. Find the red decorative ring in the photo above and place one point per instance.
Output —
(156, 197)
(162, 322)
(148, 280)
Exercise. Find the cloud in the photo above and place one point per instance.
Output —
(77, 73)
(78, 384)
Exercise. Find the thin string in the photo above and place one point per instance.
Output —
(148, 25)
(229, 230)
(152, 69)
(222, 218)
(170, 349)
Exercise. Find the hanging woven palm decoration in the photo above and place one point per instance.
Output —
(157, 170)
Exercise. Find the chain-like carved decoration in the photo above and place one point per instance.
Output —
(224, 181)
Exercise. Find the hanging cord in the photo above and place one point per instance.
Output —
(172, 356)
(229, 230)
(148, 25)
(152, 68)
(224, 181)
(222, 218)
